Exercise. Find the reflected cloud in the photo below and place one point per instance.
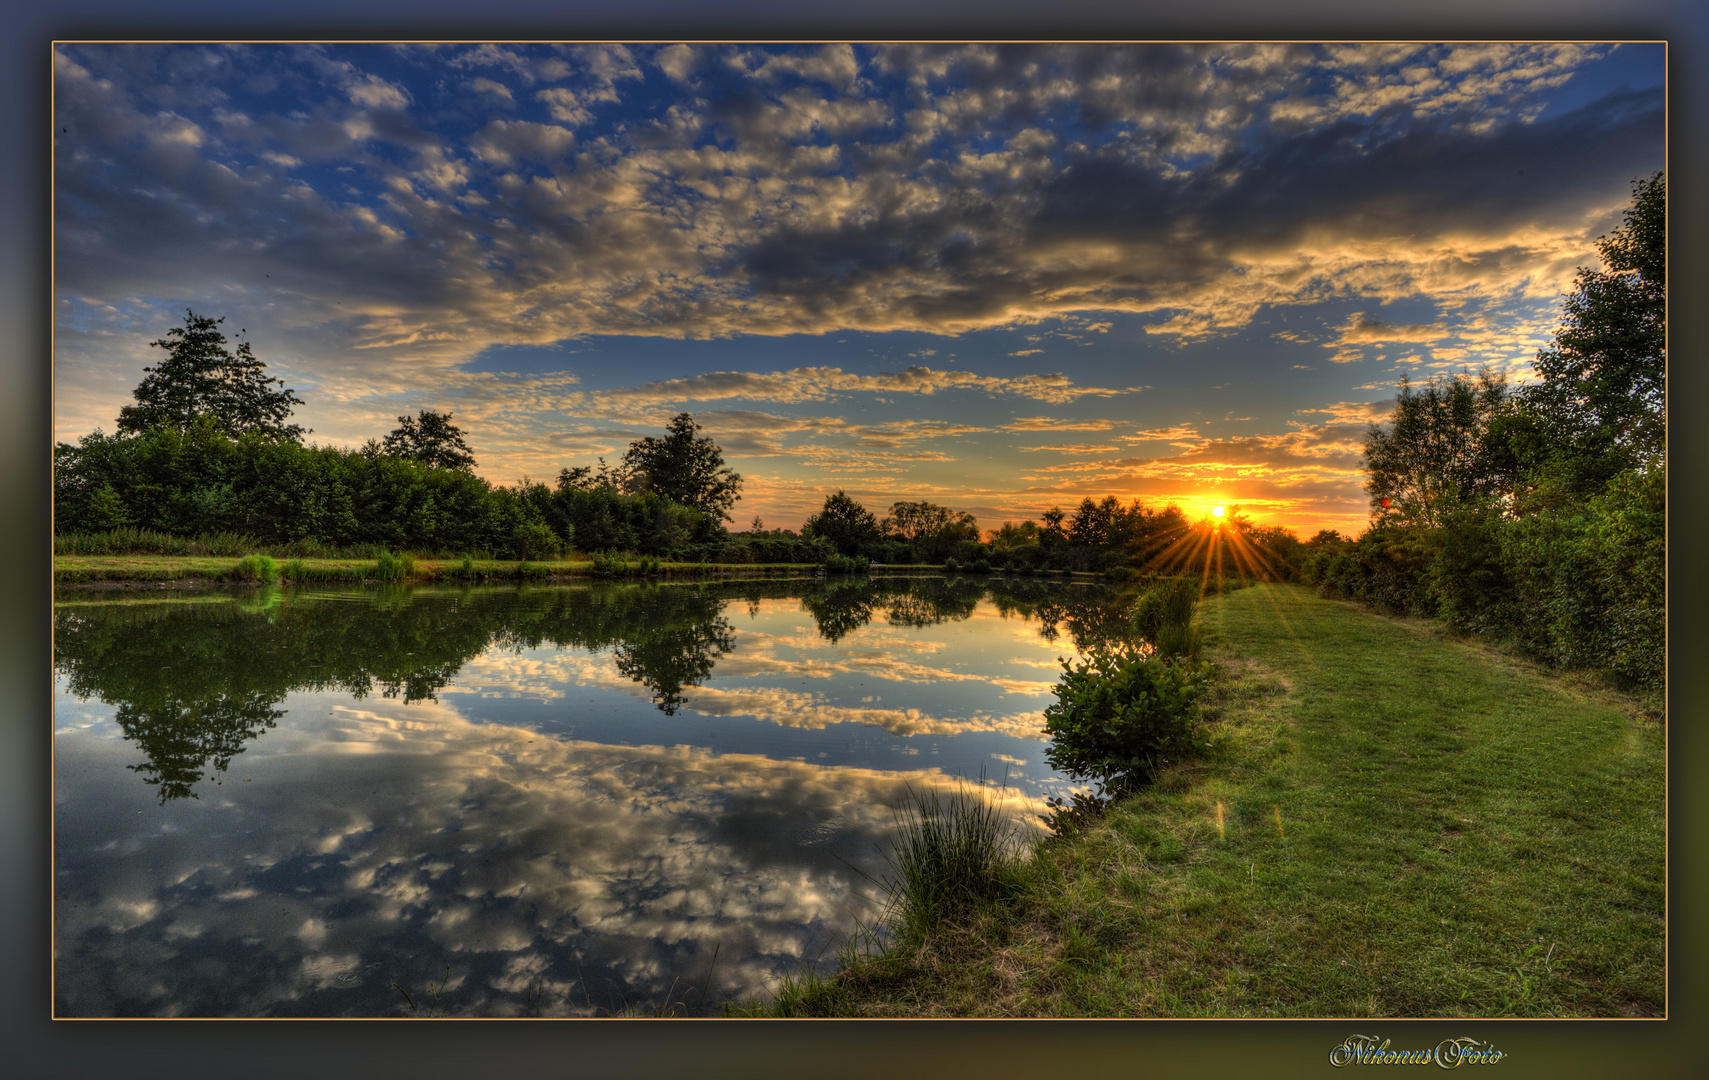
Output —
(518, 859)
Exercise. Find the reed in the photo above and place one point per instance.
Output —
(952, 855)
(256, 568)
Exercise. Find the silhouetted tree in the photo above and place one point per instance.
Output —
(845, 523)
(430, 438)
(201, 377)
(1432, 456)
(684, 468)
(1603, 387)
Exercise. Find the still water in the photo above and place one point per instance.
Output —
(553, 801)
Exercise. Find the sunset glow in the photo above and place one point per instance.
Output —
(998, 278)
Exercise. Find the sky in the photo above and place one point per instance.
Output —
(1000, 278)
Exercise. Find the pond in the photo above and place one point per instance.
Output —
(505, 801)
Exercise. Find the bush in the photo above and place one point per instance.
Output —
(1121, 714)
(534, 539)
(848, 564)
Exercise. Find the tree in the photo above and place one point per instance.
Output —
(613, 480)
(685, 468)
(917, 521)
(1432, 456)
(847, 524)
(1603, 387)
(201, 377)
(1013, 535)
(430, 438)
(1053, 533)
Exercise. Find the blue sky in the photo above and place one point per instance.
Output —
(999, 278)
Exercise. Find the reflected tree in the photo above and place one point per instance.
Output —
(194, 682)
(667, 660)
(841, 608)
(182, 739)
(929, 601)
(1091, 615)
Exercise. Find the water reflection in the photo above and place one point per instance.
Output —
(195, 681)
(383, 785)
(598, 874)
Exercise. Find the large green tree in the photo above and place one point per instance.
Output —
(931, 528)
(430, 438)
(684, 467)
(1432, 455)
(1601, 397)
(848, 525)
(202, 377)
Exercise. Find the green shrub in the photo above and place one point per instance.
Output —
(847, 564)
(535, 539)
(1120, 714)
(390, 567)
(257, 568)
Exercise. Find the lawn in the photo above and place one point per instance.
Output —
(1391, 822)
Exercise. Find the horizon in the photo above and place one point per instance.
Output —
(997, 278)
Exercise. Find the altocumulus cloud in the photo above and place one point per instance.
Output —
(384, 214)
(712, 190)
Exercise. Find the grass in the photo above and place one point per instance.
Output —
(1391, 822)
(953, 855)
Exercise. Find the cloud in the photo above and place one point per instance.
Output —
(1356, 412)
(591, 871)
(382, 216)
(1361, 328)
(1051, 423)
(678, 235)
(826, 383)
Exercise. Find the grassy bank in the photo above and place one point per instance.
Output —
(152, 569)
(73, 569)
(1392, 823)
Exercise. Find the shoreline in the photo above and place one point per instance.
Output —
(191, 572)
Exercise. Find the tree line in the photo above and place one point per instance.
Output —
(1536, 513)
(208, 447)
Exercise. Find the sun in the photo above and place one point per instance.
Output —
(1217, 511)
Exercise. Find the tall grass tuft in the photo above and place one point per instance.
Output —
(610, 564)
(951, 856)
(389, 567)
(1164, 617)
(257, 568)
